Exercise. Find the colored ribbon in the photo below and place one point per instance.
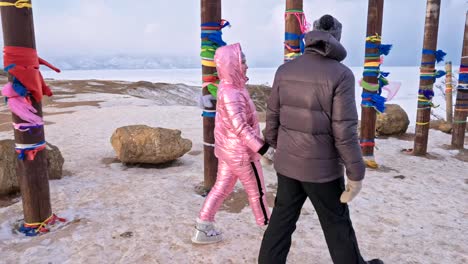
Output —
(373, 100)
(24, 66)
(18, 4)
(438, 54)
(373, 87)
(33, 229)
(289, 36)
(29, 151)
(431, 74)
(25, 127)
(293, 37)
(211, 40)
(367, 143)
(209, 114)
(21, 106)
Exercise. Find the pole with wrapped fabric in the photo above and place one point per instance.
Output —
(24, 92)
(461, 103)
(428, 76)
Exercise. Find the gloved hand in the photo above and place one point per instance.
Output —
(270, 154)
(351, 191)
(204, 101)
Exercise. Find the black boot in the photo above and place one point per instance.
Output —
(375, 261)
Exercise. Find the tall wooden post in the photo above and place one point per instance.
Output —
(448, 92)
(18, 30)
(427, 66)
(368, 114)
(461, 104)
(210, 12)
(292, 24)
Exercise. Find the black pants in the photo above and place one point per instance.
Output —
(333, 215)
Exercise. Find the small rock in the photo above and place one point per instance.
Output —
(127, 234)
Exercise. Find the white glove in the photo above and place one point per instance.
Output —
(270, 154)
(204, 101)
(351, 191)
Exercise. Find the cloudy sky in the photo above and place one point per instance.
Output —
(161, 27)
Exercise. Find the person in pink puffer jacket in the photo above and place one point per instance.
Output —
(238, 146)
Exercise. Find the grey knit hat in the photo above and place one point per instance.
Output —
(329, 24)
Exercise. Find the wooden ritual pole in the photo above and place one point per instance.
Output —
(427, 66)
(368, 114)
(292, 26)
(461, 103)
(448, 92)
(210, 12)
(18, 30)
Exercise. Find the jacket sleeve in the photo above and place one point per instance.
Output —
(344, 125)
(272, 116)
(236, 107)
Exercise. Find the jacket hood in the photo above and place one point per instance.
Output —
(323, 43)
(228, 61)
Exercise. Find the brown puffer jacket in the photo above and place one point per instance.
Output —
(312, 117)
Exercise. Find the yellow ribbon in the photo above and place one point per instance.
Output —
(39, 225)
(422, 124)
(374, 38)
(208, 63)
(292, 55)
(372, 64)
(18, 4)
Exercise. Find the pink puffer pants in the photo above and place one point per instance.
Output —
(251, 177)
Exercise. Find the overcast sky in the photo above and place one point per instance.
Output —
(158, 27)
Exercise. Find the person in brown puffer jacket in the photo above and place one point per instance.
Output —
(312, 123)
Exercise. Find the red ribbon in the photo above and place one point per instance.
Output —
(31, 153)
(26, 69)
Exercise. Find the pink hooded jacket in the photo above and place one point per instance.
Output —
(237, 132)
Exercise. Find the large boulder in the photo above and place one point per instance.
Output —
(55, 162)
(394, 121)
(8, 180)
(8, 159)
(441, 125)
(144, 144)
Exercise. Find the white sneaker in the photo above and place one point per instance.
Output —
(205, 233)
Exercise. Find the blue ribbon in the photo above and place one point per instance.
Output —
(293, 36)
(28, 231)
(209, 114)
(439, 54)
(370, 74)
(19, 88)
(216, 24)
(377, 101)
(463, 77)
(429, 94)
(9, 67)
(215, 37)
(384, 49)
